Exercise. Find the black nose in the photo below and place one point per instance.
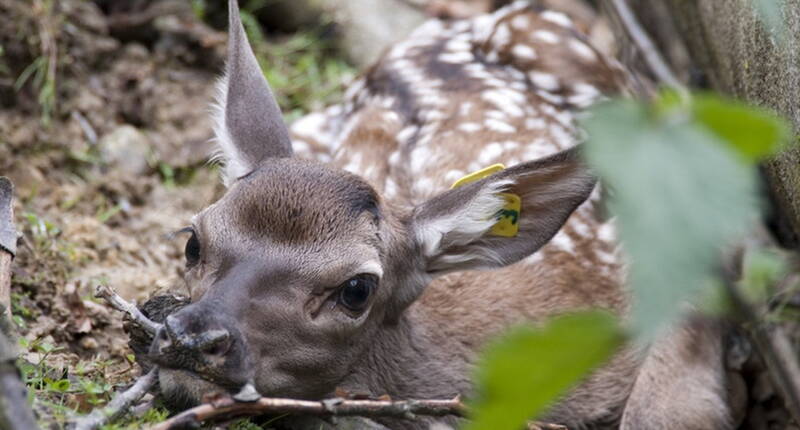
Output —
(186, 331)
(204, 338)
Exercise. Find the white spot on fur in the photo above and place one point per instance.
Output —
(556, 18)
(406, 133)
(456, 57)
(354, 165)
(469, 127)
(546, 36)
(534, 123)
(453, 175)
(490, 153)
(521, 22)
(563, 242)
(464, 109)
(607, 232)
(390, 188)
(301, 146)
(420, 156)
(524, 52)
(583, 50)
(550, 97)
(584, 94)
(535, 258)
(545, 81)
(499, 126)
(502, 35)
(424, 186)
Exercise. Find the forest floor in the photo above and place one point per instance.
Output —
(105, 132)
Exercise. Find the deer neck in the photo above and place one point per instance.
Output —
(411, 359)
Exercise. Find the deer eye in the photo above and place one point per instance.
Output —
(192, 251)
(354, 293)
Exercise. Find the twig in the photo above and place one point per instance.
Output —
(120, 404)
(227, 407)
(88, 130)
(120, 304)
(775, 348)
(645, 45)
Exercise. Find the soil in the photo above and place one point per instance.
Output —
(105, 174)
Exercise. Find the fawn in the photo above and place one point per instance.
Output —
(340, 256)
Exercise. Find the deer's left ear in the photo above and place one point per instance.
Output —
(455, 229)
(248, 122)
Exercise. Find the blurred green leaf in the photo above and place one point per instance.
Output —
(755, 133)
(771, 14)
(761, 270)
(61, 386)
(679, 194)
(523, 373)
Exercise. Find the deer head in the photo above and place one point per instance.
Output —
(298, 268)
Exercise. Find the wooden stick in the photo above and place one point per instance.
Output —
(8, 241)
(109, 295)
(121, 403)
(227, 407)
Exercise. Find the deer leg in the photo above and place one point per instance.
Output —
(682, 382)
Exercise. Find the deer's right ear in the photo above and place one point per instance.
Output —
(248, 123)
(456, 230)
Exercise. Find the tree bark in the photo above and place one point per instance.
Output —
(740, 57)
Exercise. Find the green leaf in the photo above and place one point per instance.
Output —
(771, 14)
(61, 386)
(761, 270)
(679, 194)
(523, 373)
(755, 133)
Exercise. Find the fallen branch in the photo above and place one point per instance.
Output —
(227, 407)
(109, 295)
(8, 243)
(120, 404)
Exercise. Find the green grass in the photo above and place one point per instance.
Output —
(304, 69)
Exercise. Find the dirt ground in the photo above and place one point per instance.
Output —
(104, 130)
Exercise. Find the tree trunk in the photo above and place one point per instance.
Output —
(740, 57)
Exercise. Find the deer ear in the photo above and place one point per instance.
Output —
(248, 125)
(455, 229)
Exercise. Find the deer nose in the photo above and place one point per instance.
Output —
(203, 337)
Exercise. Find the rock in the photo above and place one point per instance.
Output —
(126, 149)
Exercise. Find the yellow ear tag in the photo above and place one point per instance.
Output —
(507, 218)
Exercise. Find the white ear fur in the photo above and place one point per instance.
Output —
(248, 124)
(225, 154)
(465, 225)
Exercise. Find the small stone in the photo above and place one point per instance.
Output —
(127, 149)
(89, 343)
